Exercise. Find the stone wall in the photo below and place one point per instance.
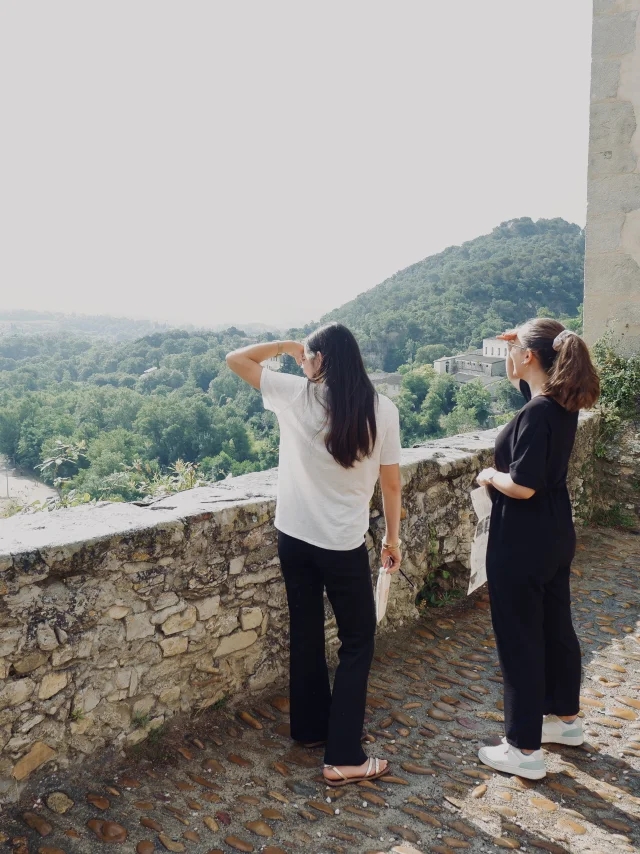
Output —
(114, 617)
(612, 268)
(618, 473)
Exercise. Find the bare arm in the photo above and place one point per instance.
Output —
(246, 361)
(510, 335)
(504, 483)
(391, 486)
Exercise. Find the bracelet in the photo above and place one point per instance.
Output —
(386, 545)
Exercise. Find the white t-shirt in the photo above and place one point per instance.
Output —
(319, 501)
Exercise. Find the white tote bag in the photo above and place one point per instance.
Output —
(382, 592)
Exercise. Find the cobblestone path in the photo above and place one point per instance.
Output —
(231, 780)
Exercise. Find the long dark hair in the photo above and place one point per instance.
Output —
(351, 397)
(573, 380)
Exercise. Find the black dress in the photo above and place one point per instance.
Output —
(531, 546)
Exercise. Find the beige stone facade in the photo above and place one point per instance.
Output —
(612, 266)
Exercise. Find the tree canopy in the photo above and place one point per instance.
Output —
(451, 301)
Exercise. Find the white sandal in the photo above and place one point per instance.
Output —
(372, 773)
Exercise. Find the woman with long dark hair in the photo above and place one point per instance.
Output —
(532, 543)
(337, 437)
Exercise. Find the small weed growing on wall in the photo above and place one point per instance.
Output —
(619, 380)
(221, 703)
(613, 517)
(157, 734)
(433, 595)
(140, 721)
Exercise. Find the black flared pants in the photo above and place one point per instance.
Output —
(537, 645)
(317, 713)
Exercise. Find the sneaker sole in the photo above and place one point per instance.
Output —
(572, 741)
(505, 768)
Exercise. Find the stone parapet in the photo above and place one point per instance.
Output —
(117, 616)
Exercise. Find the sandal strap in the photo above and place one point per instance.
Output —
(373, 767)
(337, 770)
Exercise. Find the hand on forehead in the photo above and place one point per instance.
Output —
(509, 335)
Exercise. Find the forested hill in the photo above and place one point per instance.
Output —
(458, 297)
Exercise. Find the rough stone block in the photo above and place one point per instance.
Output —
(208, 607)
(16, 693)
(61, 656)
(37, 756)
(612, 125)
(87, 699)
(622, 275)
(604, 233)
(236, 564)
(179, 622)
(260, 577)
(165, 600)
(138, 626)
(614, 35)
(630, 243)
(174, 646)
(9, 640)
(114, 715)
(224, 624)
(612, 194)
(170, 696)
(605, 80)
(46, 637)
(235, 642)
(122, 679)
(30, 662)
(52, 684)
(118, 612)
(163, 615)
(136, 737)
(144, 705)
(608, 7)
(81, 726)
(250, 618)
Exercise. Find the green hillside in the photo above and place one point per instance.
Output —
(469, 292)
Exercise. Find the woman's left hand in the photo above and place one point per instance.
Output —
(391, 559)
(484, 478)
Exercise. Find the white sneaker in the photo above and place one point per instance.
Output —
(559, 732)
(508, 759)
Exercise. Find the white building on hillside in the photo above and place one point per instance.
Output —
(494, 347)
(487, 364)
(386, 383)
(274, 364)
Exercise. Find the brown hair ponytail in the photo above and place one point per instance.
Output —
(573, 380)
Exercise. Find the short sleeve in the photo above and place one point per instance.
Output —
(529, 466)
(391, 448)
(280, 390)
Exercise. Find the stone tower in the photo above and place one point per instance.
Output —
(612, 264)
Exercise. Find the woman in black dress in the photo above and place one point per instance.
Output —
(532, 543)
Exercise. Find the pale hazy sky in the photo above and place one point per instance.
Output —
(267, 160)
